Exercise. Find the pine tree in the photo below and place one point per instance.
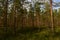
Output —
(18, 13)
(1, 12)
(31, 16)
(46, 15)
(37, 14)
(52, 20)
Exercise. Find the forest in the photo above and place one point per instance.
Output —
(20, 20)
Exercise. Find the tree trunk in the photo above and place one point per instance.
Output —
(52, 23)
(5, 15)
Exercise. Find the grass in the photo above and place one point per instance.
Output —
(32, 34)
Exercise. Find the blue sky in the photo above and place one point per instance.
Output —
(56, 0)
(53, 1)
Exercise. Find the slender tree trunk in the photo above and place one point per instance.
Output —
(5, 15)
(5, 4)
(52, 23)
(15, 18)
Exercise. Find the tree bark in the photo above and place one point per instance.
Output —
(52, 21)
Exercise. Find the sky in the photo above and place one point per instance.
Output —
(53, 1)
(57, 2)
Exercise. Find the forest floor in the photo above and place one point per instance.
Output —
(33, 34)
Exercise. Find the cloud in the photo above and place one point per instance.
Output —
(56, 0)
(56, 7)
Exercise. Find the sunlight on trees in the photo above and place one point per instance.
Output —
(27, 21)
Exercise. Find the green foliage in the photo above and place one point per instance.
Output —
(23, 25)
